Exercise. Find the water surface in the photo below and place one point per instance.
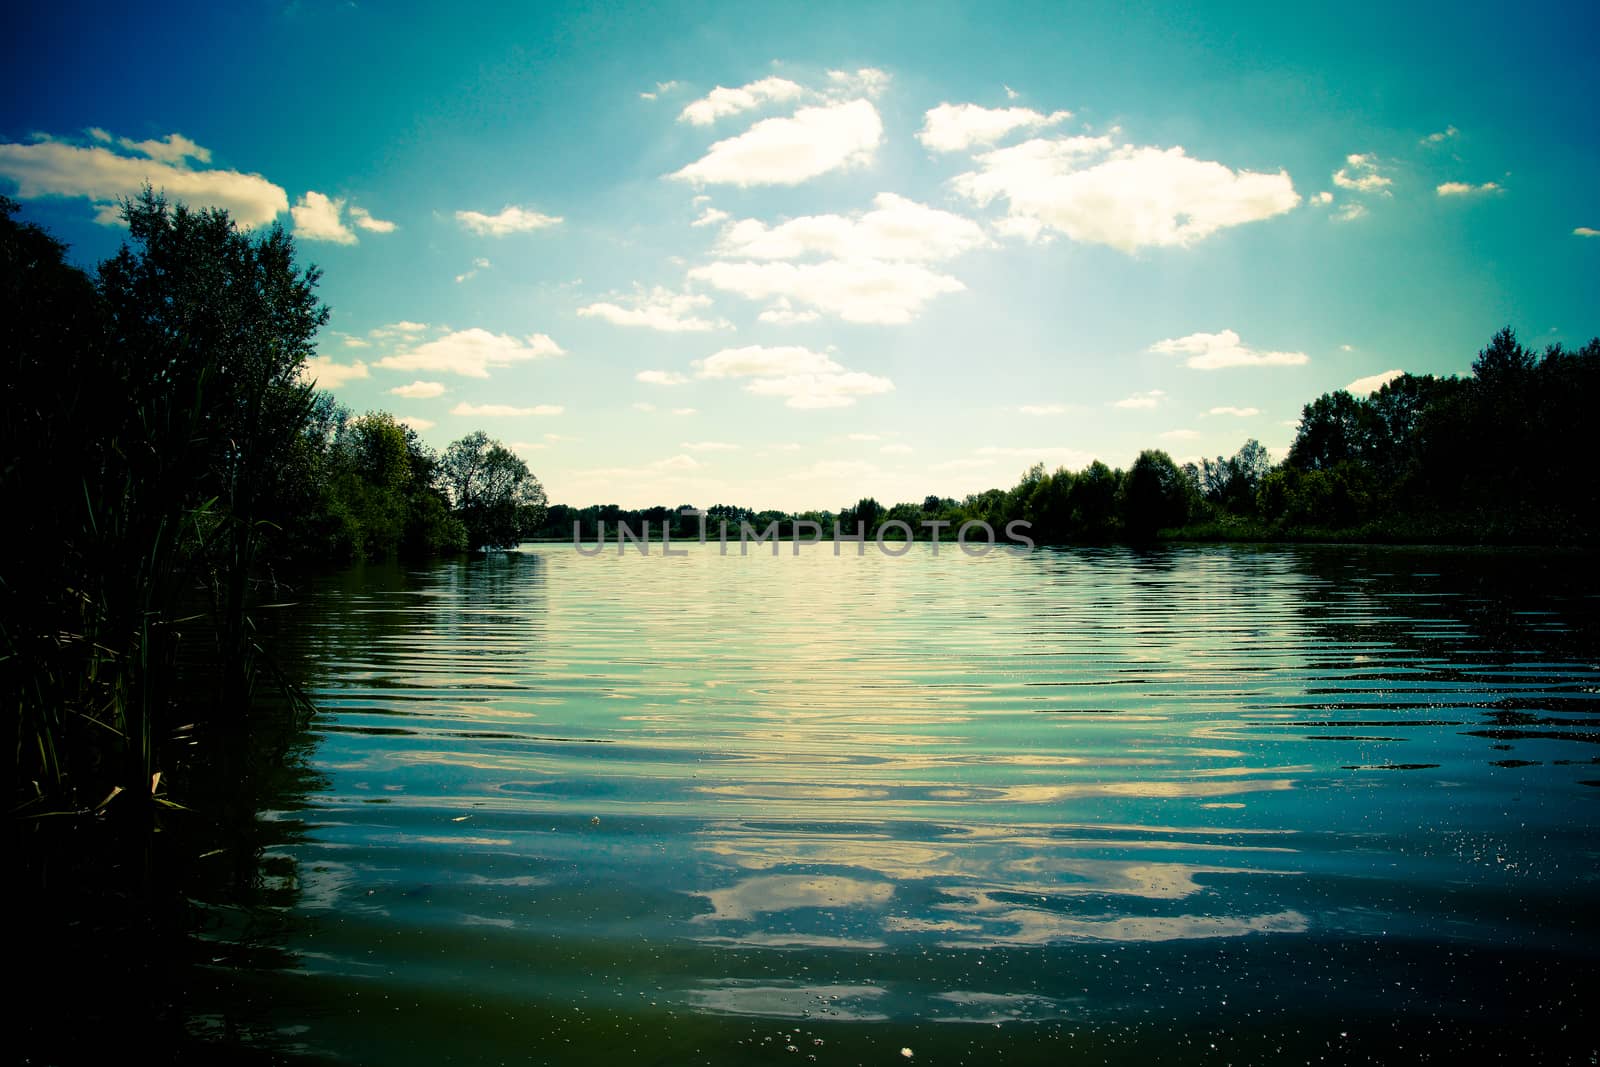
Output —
(1191, 804)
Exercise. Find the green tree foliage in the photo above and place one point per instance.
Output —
(495, 496)
(1154, 496)
(150, 415)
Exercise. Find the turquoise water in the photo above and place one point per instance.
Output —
(1200, 804)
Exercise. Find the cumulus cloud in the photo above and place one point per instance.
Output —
(865, 81)
(1585, 231)
(173, 148)
(316, 218)
(1372, 382)
(761, 361)
(471, 353)
(783, 313)
(788, 151)
(403, 328)
(1235, 411)
(1446, 134)
(895, 229)
(1126, 198)
(658, 309)
(1350, 211)
(721, 102)
(1140, 400)
(805, 379)
(510, 219)
(367, 221)
(330, 375)
(710, 216)
(1322, 199)
(419, 390)
(490, 411)
(416, 423)
(1360, 173)
(104, 176)
(660, 377)
(1211, 351)
(855, 290)
(1466, 188)
(958, 127)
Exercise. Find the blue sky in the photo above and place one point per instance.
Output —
(790, 256)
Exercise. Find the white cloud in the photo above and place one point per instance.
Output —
(897, 450)
(857, 291)
(1127, 198)
(369, 222)
(1585, 231)
(721, 102)
(661, 89)
(1372, 382)
(416, 423)
(1350, 211)
(470, 353)
(103, 176)
(707, 446)
(330, 375)
(1141, 400)
(710, 216)
(660, 377)
(1322, 199)
(419, 390)
(510, 219)
(865, 81)
(788, 151)
(805, 379)
(173, 148)
(397, 329)
(1443, 135)
(782, 313)
(1466, 189)
(1210, 351)
(958, 127)
(759, 361)
(1238, 412)
(684, 411)
(896, 229)
(316, 218)
(498, 410)
(1360, 173)
(658, 309)
(478, 264)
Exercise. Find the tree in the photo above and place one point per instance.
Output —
(1154, 496)
(1329, 434)
(493, 493)
(1232, 483)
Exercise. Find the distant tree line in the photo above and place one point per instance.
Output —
(1497, 456)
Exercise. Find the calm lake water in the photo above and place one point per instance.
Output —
(1197, 804)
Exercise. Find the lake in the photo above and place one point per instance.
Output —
(1195, 804)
